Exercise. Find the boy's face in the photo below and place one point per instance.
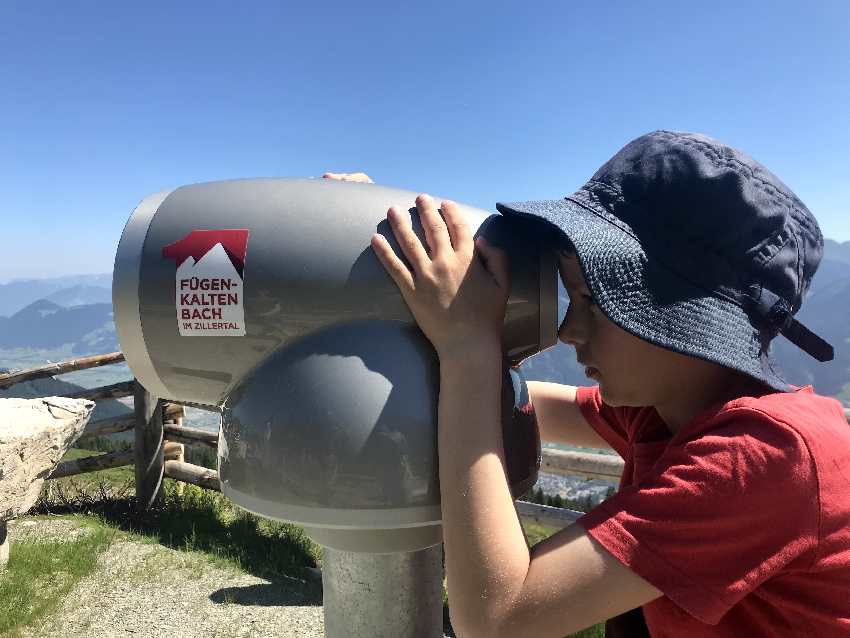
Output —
(629, 371)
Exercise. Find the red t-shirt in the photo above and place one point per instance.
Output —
(742, 518)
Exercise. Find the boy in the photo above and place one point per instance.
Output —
(683, 259)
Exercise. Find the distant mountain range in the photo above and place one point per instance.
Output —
(77, 310)
(73, 290)
(837, 251)
(45, 324)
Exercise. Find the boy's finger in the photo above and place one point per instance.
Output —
(349, 177)
(432, 223)
(458, 228)
(392, 264)
(407, 239)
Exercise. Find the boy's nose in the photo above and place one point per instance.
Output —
(570, 332)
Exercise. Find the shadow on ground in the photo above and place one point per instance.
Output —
(262, 595)
(204, 521)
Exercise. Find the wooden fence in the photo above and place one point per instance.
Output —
(160, 434)
(157, 451)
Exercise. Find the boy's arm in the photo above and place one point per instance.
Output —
(497, 586)
(559, 418)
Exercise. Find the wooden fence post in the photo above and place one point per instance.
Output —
(4, 544)
(148, 446)
(179, 453)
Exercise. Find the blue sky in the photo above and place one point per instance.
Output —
(103, 103)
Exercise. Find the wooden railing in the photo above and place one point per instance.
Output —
(160, 435)
(151, 452)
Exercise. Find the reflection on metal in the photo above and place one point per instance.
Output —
(337, 433)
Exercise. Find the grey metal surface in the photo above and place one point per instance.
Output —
(338, 430)
(377, 541)
(308, 265)
(337, 433)
(125, 292)
(383, 595)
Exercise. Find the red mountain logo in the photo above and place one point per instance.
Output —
(199, 242)
(209, 282)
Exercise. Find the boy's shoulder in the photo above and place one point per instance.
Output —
(816, 425)
(803, 410)
(777, 430)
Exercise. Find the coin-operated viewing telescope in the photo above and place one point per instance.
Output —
(263, 297)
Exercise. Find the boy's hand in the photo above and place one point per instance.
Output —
(457, 289)
(349, 177)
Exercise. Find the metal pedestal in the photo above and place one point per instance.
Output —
(383, 595)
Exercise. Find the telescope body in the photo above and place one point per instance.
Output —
(263, 297)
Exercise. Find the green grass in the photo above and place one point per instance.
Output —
(194, 520)
(597, 631)
(40, 574)
(536, 532)
(204, 521)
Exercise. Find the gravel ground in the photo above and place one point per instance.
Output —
(148, 590)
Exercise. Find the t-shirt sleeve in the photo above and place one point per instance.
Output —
(717, 515)
(607, 421)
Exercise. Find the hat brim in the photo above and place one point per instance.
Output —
(650, 300)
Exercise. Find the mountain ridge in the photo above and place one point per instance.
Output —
(19, 293)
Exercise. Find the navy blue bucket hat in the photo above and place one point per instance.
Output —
(695, 247)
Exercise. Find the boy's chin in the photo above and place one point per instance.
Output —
(611, 397)
(608, 398)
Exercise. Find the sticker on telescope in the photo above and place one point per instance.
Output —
(209, 282)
